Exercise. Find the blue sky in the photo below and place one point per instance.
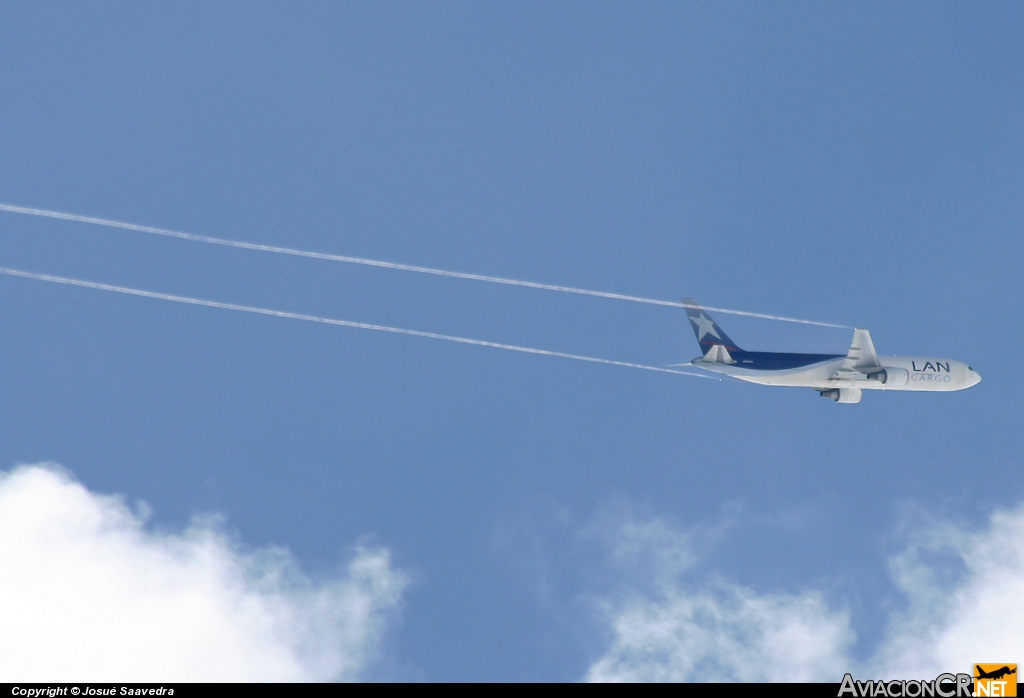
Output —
(858, 164)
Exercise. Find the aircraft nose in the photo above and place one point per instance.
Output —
(973, 377)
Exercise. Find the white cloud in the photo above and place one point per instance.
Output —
(724, 633)
(964, 595)
(88, 593)
(717, 631)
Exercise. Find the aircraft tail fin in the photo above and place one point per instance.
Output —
(709, 334)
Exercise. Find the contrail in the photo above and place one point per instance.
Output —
(385, 265)
(328, 321)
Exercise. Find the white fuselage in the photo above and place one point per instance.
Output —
(904, 373)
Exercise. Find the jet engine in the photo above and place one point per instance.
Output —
(893, 377)
(848, 395)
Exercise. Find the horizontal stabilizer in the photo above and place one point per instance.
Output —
(718, 354)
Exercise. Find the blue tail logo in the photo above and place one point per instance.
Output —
(709, 334)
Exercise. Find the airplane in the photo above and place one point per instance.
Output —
(997, 674)
(838, 377)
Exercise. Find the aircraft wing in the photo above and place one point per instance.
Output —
(861, 358)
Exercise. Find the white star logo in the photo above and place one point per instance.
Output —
(704, 326)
